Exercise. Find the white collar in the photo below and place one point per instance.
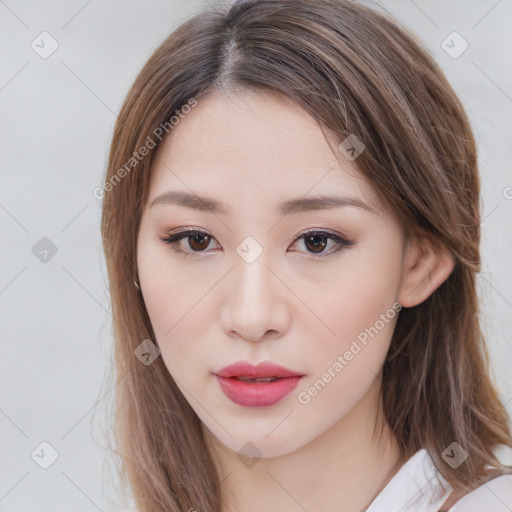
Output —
(414, 488)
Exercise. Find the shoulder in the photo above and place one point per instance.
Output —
(495, 495)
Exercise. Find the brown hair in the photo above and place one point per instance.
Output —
(355, 72)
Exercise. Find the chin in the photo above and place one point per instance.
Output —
(257, 442)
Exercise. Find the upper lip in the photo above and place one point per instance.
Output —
(264, 369)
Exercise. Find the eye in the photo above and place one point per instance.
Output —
(197, 240)
(317, 241)
(314, 241)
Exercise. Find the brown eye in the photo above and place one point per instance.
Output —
(316, 243)
(199, 241)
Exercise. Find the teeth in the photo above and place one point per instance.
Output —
(259, 379)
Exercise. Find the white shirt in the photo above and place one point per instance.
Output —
(415, 488)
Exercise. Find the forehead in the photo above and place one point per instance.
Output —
(253, 141)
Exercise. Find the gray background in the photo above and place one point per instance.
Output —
(57, 116)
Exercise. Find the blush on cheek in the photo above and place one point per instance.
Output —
(164, 309)
(173, 316)
(349, 313)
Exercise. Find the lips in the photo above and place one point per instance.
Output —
(263, 370)
(256, 386)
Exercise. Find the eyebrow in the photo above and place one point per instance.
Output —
(291, 206)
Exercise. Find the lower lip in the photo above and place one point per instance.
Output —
(257, 394)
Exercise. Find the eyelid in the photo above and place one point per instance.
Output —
(174, 238)
(341, 240)
(319, 230)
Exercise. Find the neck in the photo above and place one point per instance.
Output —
(342, 470)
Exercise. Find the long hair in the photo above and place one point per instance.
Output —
(355, 72)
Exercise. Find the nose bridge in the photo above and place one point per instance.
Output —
(253, 307)
(252, 278)
(250, 267)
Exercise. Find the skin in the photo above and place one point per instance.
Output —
(292, 306)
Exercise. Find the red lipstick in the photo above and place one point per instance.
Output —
(256, 386)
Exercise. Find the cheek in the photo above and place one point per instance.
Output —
(175, 316)
(172, 300)
(175, 312)
(358, 294)
(358, 308)
(345, 364)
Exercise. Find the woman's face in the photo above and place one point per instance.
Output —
(249, 287)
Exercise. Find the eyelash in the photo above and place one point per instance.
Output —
(174, 238)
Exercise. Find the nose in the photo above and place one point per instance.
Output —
(256, 302)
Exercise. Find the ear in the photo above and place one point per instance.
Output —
(425, 268)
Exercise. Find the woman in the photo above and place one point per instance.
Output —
(291, 227)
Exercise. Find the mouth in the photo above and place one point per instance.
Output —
(265, 370)
(259, 385)
(258, 379)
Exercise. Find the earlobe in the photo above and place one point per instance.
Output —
(425, 268)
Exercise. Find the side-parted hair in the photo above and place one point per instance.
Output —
(355, 71)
